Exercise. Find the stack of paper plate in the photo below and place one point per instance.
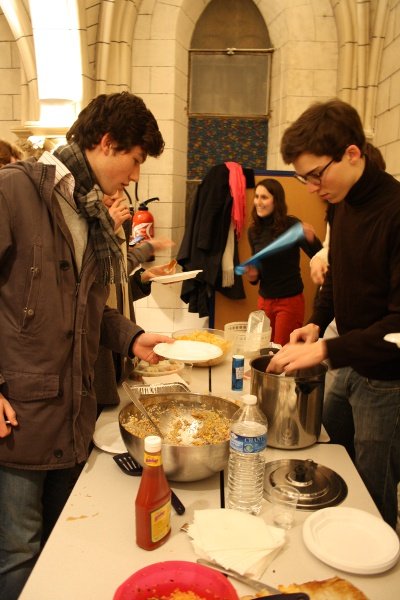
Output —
(351, 540)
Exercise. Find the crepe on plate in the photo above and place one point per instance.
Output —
(334, 588)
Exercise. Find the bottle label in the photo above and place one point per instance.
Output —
(143, 229)
(237, 372)
(247, 444)
(152, 460)
(160, 522)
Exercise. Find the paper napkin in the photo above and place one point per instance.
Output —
(236, 540)
(169, 378)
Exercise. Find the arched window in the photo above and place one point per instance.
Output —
(230, 64)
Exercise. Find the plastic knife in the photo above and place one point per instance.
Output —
(255, 583)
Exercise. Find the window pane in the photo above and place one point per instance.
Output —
(247, 28)
(222, 84)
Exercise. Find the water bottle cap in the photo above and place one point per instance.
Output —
(249, 399)
(152, 443)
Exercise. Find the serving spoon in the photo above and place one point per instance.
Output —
(135, 399)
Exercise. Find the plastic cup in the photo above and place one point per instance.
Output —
(284, 500)
(187, 372)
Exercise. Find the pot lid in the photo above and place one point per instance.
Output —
(319, 486)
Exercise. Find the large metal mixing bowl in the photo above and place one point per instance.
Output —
(181, 462)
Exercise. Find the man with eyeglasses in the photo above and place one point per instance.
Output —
(326, 145)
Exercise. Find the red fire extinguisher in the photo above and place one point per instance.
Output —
(143, 222)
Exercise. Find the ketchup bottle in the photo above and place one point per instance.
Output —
(153, 500)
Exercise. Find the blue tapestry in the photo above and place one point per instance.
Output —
(214, 140)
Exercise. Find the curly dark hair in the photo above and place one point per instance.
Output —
(8, 152)
(323, 129)
(124, 117)
(279, 224)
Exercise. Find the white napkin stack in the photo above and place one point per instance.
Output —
(168, 378)
(235, 540)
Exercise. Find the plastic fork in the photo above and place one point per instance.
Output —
(130, 466)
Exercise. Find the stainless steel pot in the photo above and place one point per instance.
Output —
(292, 403)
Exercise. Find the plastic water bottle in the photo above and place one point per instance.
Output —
(246, 457)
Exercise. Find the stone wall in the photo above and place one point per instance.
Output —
(10, 82)
(148, 54)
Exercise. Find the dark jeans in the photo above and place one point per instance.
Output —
(30, 504)
(364, 416)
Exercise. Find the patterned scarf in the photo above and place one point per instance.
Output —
(89, 201)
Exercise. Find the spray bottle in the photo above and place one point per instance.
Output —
(143, 222)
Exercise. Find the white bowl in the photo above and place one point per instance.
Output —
(211, 336)
(164, 367)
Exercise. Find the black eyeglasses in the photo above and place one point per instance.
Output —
(313, 177)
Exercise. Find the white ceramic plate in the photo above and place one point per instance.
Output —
(175, 277)
(107, 437)
(188, 350)
(393, 337)
(351, 540)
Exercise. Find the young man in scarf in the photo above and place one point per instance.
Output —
(58, 256)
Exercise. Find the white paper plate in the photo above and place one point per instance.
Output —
(188, 350)
(107, 437)
(351, 540)
(175, 277)
(393, 337)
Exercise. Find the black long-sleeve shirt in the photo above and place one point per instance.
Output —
(362, 285)
(280, 275)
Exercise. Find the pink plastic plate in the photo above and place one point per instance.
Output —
(163, 578)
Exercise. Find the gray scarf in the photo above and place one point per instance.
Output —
(89, 201)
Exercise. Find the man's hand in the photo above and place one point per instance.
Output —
(144, 344)
(160, 243)
(7, 413)
(297, 356)
(308, 334)
(166, 269)
(318, 269)
(118, 208)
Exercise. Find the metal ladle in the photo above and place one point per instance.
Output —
(135, 399)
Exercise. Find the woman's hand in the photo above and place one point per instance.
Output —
(309, 232)
(252, 273)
